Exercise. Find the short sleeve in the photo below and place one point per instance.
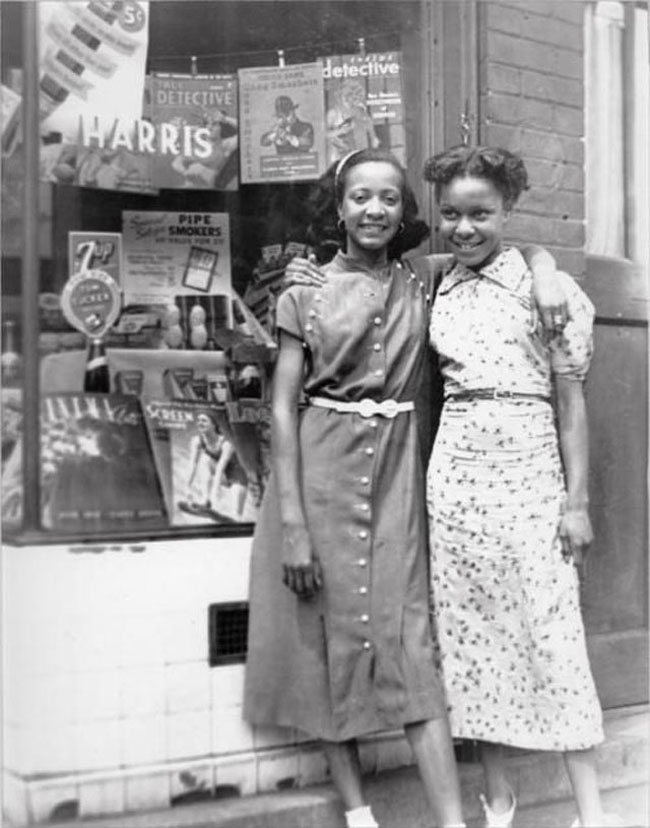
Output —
(571, 352)
(287, 314)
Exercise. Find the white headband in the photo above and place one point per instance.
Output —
(341, 164)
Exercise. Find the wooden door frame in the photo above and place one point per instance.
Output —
(616, 619)
(448, 46)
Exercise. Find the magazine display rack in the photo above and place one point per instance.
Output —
(175, 446)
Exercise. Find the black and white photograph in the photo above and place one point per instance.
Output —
(339, 517)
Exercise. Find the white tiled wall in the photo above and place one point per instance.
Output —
(108, 696)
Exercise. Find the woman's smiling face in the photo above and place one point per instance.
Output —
(472, 217)
(203, 422)
(372, 209)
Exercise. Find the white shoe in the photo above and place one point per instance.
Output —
(493, 820)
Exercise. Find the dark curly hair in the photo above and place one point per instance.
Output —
(323, 232)
(500, 166)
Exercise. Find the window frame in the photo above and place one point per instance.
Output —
(436, 117)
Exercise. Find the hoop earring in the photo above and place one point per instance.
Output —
(402, 227)
(340, 226)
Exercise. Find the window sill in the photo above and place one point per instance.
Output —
(101, 540)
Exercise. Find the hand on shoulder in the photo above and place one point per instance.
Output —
(301, 271)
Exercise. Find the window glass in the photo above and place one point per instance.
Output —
(604, 129)
(616, 88)
(185, 447)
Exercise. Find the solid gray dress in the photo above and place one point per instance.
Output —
(358, 658)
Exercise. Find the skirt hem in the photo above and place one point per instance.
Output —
(429, 711)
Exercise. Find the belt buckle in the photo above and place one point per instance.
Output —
(368, 408)
(389, 409)
(497, 394)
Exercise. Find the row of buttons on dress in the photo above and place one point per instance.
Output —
(364, 534)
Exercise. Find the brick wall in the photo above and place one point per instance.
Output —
(532, 102)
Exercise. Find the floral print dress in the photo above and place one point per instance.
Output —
(505, 602)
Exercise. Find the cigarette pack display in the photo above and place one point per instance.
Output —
(262, 293)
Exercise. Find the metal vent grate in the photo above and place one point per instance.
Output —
(227, 633)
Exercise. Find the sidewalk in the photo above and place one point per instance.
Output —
(539, 780)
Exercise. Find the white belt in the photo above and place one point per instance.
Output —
(365, 407)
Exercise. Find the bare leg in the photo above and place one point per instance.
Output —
(434, 752)
(239, 493)
(498, 791)
(343, 761)
(581, 767)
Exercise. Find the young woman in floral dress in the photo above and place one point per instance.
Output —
(507, 492)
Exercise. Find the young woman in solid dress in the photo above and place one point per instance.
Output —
(507, 493)
(339, 641)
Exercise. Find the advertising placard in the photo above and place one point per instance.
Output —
(92, 82)
(165, 255)
(89, 249)
(282, 123)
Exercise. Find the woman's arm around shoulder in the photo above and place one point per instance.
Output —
(549, 293)
(303, 271)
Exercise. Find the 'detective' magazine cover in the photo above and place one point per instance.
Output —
(200, 116)
(364, 104)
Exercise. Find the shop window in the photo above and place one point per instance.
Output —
(617, 81)
(180, 444)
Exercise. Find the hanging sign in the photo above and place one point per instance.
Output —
(168, 254)
(88, 250)
(92, 85)
(364, 104)
(199, 118)
(91, 302)
(282, 123)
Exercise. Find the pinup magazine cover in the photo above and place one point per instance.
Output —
(202, 109)
(212, 459)
(205, 482)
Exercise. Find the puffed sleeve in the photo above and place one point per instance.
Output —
(572, 351)
(287, 314)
